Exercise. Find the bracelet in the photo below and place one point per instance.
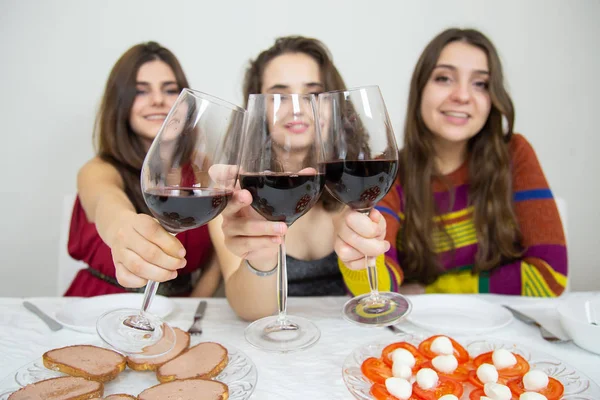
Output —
(259, 273)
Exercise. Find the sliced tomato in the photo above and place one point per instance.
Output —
(460, 353)
(553, 391)
(470, 365)
(519, 369)
(474, 380)
(380, 392)
(444, 386)
(375, 370)
(419, 358)
(461, 373)
(476, 394)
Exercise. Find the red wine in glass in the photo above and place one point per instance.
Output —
(360, 184)
(281, 196)
(182, 208)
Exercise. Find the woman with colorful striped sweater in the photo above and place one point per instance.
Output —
(471, 210)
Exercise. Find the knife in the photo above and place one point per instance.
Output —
(522, 317)
(52, 324)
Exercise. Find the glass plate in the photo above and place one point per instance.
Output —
(577, 385)
(81, 314)
(239, 375)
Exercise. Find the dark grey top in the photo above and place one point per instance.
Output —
(315, 278)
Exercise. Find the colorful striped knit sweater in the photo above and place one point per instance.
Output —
(542, 270)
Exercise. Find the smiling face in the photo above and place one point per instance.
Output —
(290, 117)
(456, 103)
(156, 91)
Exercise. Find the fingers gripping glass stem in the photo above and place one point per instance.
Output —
(140, 321)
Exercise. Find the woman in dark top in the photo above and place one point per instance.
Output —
(247, 244)
(111, 227)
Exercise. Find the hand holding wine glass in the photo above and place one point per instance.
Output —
(362, 161)
(248, 235)
(187, 178)
(359, 235)
(142, 250)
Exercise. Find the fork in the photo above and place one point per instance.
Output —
(195, 329)
(396, 330)
(546, 334)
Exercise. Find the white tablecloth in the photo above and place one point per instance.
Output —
(315, 373)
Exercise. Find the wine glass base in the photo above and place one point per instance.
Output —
(386, 309)
(116, 330)
(293, 334)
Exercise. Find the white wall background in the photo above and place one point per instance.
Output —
(56, 55)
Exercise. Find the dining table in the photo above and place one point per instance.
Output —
(312, 373)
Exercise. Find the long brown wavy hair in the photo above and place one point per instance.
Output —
(330, 76)
(490, 191)
(114, 139)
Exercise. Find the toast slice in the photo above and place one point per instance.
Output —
(182, 342)
(205, 360)
(187, 389)
(117, 397)
(89, 362)
(62, 388)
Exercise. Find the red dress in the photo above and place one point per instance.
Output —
(86, 245)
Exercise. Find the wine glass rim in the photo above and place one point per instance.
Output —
(282, 95)
(352, 89)
(214, 99)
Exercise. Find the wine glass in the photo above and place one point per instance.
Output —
(187, 178)
(362, 161)
(282, 167)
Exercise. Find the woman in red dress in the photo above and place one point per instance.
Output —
(111, 227)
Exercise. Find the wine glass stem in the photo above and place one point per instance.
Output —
(282, 283)
(140, 321)
(150, 292)
(372, 275)
(151, 288)
(371, 268)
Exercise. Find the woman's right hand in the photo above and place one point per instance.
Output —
(359, 235)
(249, 235)
(143, 250)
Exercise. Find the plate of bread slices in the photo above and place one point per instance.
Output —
(191, 370)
